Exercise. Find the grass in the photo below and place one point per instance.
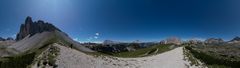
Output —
(153, 50)
(18, 61)
(190, 57)
(48, 57)
(213, 61)
(217, 66)
(23, 60)
(53, 54)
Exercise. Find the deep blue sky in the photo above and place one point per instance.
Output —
(127, 20)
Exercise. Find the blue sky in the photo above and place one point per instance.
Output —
(127, 20)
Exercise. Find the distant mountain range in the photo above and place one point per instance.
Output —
(3, 39)
(235, 39)
(33, 35)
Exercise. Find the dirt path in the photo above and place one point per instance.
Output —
(70, 58)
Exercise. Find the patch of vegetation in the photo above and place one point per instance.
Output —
(18, 61)
(189, 57)
(212, 60)
(53, 53)
(141, 52)
(47, 57)
(23, 60)
(153, 51)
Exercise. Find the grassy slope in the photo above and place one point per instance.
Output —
(22, 60)
(188, 56)
(213, 61)
(18, 61)
(156, 49)
(26, 58)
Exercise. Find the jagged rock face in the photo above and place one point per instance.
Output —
(173, 40)
(31, 28)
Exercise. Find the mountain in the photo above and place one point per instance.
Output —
(6, 42)
(35, 35)
(173, 40)
(109, 42)
(214, 40)
(31, 28)
(2, 39)
(7, 39)
(235, 39)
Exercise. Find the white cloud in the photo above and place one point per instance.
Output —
(97, 34)
(89, 39)
(96, 37)
(77, 39)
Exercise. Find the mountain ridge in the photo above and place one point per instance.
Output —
(31, 28)
(34, 35)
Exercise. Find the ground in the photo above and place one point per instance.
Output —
(71, 58)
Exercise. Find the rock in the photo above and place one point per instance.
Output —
(173, 40)
(31, 28)
(214, 41)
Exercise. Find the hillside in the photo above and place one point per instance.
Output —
(32, 39)
(71, 58)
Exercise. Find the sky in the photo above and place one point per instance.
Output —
(127, 20)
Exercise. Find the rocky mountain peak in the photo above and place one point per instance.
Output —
(214, 40)
(28, 20)
(236, 39)
(31, 28)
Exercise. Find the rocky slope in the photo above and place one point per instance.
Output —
(31, 28)
(34, 35)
